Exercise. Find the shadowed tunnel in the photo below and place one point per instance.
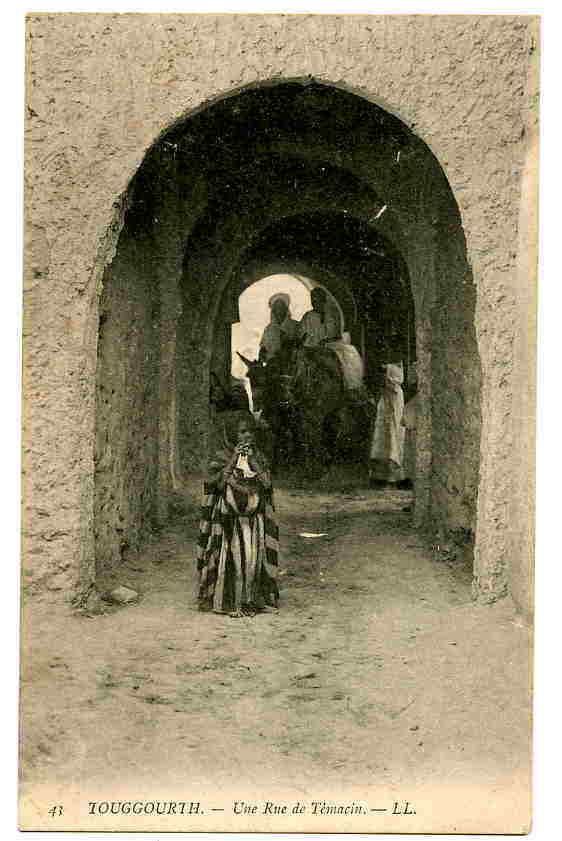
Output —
(297, 177)
(360, 268)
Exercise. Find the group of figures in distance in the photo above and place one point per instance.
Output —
(313, 418)
(314, 412)
(310, 415)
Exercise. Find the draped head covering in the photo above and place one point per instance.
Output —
(394, 375)
(280, 296)
(238, 541)
(388, 436)
(229, 423)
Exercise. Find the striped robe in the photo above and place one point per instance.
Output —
(238, 546)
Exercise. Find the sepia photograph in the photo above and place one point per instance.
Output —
(278, 425)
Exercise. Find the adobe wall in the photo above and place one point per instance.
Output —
(522, 503)
(126, 454)
(100, 90)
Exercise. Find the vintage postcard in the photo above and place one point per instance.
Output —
(279, 422)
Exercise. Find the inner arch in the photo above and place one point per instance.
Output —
(204, 209)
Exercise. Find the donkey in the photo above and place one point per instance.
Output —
(271, 393)
(302, 392)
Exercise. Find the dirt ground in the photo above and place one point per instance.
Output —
(377, 669)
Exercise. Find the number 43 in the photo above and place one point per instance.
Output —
(55, 811)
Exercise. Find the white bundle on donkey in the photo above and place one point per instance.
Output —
(352, 365)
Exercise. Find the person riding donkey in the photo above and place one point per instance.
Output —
(322, 330)
(311, 385)
(270, 379)
(319, 324)
(325, 346)
(281, 328)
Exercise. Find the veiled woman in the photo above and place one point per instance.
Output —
(238, 546)
(387, 446)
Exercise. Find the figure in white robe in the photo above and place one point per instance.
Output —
(387, 446)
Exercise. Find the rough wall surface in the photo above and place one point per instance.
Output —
(522, 507)
(456, 386)
(459, 82)
(126, 454)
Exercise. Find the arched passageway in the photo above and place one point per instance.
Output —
(363, 273)
(147, 202)
(293, 176)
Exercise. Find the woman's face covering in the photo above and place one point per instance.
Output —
(245, 434)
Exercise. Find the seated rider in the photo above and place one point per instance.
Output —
(280, 328)
(322, 330)
(318, 323)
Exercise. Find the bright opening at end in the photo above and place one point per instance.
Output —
(255, 314)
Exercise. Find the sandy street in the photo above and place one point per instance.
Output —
(378, 668)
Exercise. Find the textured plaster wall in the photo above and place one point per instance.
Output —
(126, 454)
(455, 385)
(522, 503)
(101, 88)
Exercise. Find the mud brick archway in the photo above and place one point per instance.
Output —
(209, 189)
(137, 267)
